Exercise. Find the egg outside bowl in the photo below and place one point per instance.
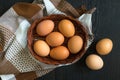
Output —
(32, 36)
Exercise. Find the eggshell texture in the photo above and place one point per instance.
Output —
(94, 62)
(55, 39)
(59, 53)
(41, 48)
(75, 44)
(66, 27)
(45, 27)
(104, 46)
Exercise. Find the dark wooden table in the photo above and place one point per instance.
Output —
(106, 23)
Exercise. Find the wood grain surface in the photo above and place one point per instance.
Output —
(106, 23)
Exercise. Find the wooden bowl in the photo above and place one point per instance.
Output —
(32, 36)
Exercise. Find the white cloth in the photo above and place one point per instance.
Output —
(8, 77)
(21, 37)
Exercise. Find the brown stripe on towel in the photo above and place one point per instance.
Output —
(7, 68)
(67, 8)
(26, 76)
(26, 10)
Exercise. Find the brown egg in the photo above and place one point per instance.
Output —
(94, 62)
(59, 53)
(75, 44)
(55, 39)
(104, 46)
(66, 27)
(41, 48)
(45, 27)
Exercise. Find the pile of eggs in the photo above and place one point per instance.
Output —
(53, 44)
(58, 39)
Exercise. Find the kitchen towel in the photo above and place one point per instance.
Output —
(15, 60)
